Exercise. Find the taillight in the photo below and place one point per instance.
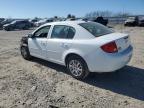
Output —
(110, 47)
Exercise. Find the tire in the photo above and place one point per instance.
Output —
(8, 29)
(25, 53)
(125, 25)
(80, 71)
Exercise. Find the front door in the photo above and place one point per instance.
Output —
(38, 42)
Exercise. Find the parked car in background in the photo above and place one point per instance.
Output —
(19, 24)
(44, 21)
(141, 20)
(135, 21)
(7, 21)
(131, 21)
(4, 21)
(70, 19)
(101, 20)
(81, 46)
(1, 19)
(33, 21)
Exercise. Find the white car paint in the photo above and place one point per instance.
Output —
(85, 45)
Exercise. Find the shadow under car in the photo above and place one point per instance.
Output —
(128, 81)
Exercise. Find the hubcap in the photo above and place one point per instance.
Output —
(75, 67)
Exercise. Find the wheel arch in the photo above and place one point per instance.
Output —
(73, 54)
(85, 64)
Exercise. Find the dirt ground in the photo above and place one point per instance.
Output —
(42, 84)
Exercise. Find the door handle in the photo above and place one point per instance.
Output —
(64, 45)
(43, 43)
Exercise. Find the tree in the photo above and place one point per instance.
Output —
(122, 14)
(107, 14)
(98, 14)
(56, 17)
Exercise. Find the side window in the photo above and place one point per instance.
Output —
(71, 33)
(63, 32)
(20, 22)
(42, 32)
(17, 22)
(60, 31)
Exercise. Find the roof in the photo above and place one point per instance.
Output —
(64, 22)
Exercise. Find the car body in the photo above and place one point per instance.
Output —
(80, 46)
(99, 19)
(141, 20)
(135, 21)
(1, 19)
(33, 21)
(43, 21)
(1, 26)
(71, 19)
(18, 24)
(131, 21)
(5, 21)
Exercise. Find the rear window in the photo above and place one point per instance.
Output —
(96, 29)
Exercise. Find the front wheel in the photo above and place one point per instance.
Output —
(77, 67)
(25, 53)
(8, 29)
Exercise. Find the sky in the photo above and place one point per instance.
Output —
(50, 8)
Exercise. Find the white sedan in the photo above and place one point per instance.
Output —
(81, 46)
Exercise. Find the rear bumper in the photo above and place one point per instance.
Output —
(104, 62)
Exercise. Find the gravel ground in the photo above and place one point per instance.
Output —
(42, 84)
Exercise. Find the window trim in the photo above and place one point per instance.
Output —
(67, 35)
(40, 29)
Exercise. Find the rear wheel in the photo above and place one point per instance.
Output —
(25, 53)
(77, 67)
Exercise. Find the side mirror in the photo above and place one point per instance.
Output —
(30, 35)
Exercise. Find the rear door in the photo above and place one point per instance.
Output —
(38, 42)
(59, 42)
(19, 25)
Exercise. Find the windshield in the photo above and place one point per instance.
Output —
(13, 22)
(96, 29)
